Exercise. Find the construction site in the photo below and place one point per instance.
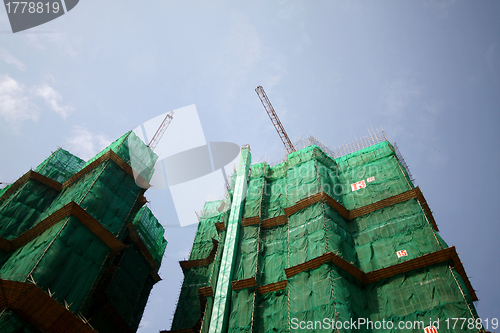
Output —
(79, 250)
(320, 238)
(338, 234)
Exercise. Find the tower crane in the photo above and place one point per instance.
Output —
(161, 130)
(275, 120)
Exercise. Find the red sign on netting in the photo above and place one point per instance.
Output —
(402, 253)
(430, 329)
(371, 179)
(358, 185)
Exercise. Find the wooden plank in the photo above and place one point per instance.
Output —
(245, 283)
(310, 264)
(335, 205)
(268, 288)
(421, 199)
(186, 264)
(274, 221)
(382, 204)
(301, 204)
(250, 221)
(33, 304)
(205, 291)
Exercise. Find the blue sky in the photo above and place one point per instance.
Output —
(426, 71)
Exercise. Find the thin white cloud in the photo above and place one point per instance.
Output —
(86, 144)
(53, 99)
(11, 60)
(16, 105)
(18, 102)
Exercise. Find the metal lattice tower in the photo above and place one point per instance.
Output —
(275, 120)
(161, 130)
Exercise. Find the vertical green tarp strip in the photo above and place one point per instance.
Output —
(222, 297)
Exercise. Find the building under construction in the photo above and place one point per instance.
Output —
(79, 251)
(319, 241)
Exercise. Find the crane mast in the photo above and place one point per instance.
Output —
(275, 120)
(161, 130)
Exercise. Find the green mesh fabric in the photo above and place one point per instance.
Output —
(274, 198)
(24, 208)
(126, 285)
(13, 323)
(246, 259)
(380, 234)
(140, 303)
(213, 208)
(269, 315)
(311, 171)
(378, 161)
(240, 318)
(188, 310)
(253, 198)
(2, 191)
(273, 255)
(64, 256)
(151, 232)
(68, 258)
(107, 192)
(369, 242)
(60, 166)
(133, 151)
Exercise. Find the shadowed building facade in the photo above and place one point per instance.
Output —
(78, 251)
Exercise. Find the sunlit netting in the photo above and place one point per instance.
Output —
(270, 284)
(60, 166)
(133, 151)
(151, 232)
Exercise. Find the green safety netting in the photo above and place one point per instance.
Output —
(429, 293)
(214, 208)
(140, 303)
(25, 207)
(369, 242)
(107, 192)
(188, 310)
(273, 256)
(269, 315)
(10, 322)
(253, 197)
(384, 232)
(2, 191)
(274, 190)
(240, 318)
(129, 283)
(66, 259)
(151, 232)
(133, 151)
(70, 260)
(378, 161)
(60, 166)
(311, 171)
(248, 251)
